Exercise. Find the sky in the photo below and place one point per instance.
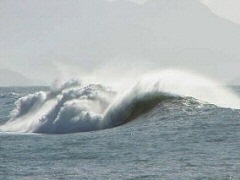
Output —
(44, 40)
(229, 9)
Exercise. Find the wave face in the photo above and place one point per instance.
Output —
(74, 107)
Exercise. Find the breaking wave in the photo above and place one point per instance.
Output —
(74, 107)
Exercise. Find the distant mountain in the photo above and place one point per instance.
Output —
(91, 33)
(122, 27)
(182, 33)
(12, 78)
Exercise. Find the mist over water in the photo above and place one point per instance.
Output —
(78, 107)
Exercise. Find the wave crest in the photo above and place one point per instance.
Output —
(74, 107)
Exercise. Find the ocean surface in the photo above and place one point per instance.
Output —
(152, 136)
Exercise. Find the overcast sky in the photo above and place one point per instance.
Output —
(42, 38)
(229, 9)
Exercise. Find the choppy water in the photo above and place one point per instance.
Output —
(177, 139)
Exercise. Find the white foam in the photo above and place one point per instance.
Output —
(73, 107)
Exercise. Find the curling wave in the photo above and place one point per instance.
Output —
(74, 107)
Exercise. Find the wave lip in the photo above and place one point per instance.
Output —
(132, 105)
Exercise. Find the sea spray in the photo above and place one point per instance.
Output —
(68, 108)
(184, 83)
(74, 107)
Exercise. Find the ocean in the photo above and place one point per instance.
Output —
(78, 131)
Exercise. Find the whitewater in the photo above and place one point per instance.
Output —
(170, 124)
(77, 107)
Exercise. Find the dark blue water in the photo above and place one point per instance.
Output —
(181, 139)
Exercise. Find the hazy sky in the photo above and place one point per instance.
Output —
(229, 9)
(42, 39)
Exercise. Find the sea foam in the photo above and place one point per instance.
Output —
(74, 107)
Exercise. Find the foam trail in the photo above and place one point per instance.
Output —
(74, 107)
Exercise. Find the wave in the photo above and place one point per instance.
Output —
(74, 107)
